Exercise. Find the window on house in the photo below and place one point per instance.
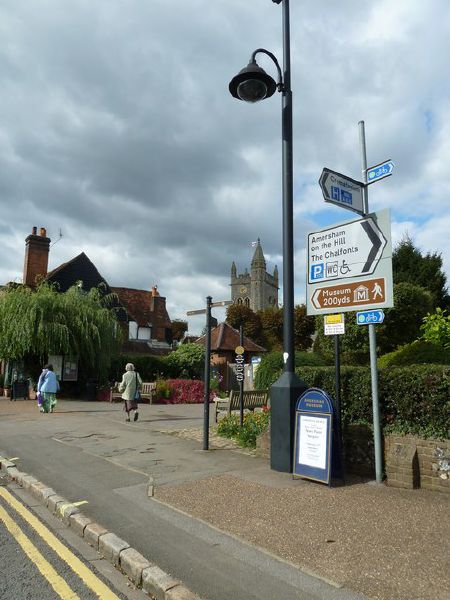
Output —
(247, 302)
(132, 330)
(138, 333)
(144, 333)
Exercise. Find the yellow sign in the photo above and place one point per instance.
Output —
(239, 349)
(334, 319)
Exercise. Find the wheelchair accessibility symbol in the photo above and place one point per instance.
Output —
(344, 269)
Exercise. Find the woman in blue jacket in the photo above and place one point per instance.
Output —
(48, 385)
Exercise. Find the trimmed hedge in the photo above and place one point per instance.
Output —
(417, 353)
(412, 400)
(273, 362)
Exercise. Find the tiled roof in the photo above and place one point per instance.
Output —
(225, 337)
(139, 303)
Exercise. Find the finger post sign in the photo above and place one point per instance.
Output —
(350, 266)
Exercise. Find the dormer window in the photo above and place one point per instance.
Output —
(138, 333)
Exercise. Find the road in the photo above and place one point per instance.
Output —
(40, 558)
(90, 454)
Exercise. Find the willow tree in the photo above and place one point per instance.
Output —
(44, 322)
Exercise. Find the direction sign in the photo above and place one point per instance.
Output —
(380, 171)
(222, 303)
(342, 190)
(352, 249)
(366, 317)
(200, 311)
(349, 296)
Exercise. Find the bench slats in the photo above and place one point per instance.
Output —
(148, 391)
(251, 399)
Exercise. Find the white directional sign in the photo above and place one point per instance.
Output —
(342, 190)
(348, 250)
(380, 171)
(350, 266)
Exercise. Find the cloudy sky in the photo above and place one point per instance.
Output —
(117, 128)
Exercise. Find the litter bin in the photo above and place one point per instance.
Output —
(91, 389)
(20, 389)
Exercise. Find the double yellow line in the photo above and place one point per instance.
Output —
(50, 574)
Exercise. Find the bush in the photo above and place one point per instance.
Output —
(148, 367)
(188, 361)
(272, 364)
(180, 391)
(419, 352)
(255, 423)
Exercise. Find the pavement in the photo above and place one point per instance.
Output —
(224, 523)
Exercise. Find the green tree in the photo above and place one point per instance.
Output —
(239, 314)
(403, 322)
(187, 361)
(272, 326)
(304, 328)
(42, 322)
(411, 266)
(436, 328)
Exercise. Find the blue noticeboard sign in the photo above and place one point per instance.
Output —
(366, 317)
(313, 436)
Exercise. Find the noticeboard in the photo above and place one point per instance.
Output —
(313, 436)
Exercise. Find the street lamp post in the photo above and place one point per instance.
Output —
(253, 84)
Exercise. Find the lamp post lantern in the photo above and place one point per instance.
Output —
(253, 84)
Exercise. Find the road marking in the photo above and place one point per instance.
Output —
(14, 458)
(55, 580)
(93, 582)
(80, 503)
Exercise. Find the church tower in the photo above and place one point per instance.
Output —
(258, 289)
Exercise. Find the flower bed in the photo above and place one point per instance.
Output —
(180, 391)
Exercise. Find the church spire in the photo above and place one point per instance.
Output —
(258, 261)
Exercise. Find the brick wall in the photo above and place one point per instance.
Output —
(410, 462)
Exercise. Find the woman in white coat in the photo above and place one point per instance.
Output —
(130, 386)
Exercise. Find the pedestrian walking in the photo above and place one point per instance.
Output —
(130, 388)
(48, 385)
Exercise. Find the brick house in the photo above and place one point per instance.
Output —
(224, 340)
(142, 314)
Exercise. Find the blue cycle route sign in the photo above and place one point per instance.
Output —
(380, 171)
(367, 317)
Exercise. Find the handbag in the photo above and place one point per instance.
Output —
(137, 393)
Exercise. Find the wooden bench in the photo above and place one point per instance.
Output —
(148, 392)
(251, 399)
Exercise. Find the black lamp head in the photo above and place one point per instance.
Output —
(252, 84)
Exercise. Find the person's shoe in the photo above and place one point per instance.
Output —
(127, 419)
(136, 416)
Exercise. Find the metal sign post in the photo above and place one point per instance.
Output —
(209, 304)
(372, 334)
(335, 325)
(240, 373)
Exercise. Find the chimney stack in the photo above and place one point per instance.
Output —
(36, 256)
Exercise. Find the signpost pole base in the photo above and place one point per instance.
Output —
(283, 396)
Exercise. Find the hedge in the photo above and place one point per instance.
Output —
(273, 363)
(418, 352)
(412, 400)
